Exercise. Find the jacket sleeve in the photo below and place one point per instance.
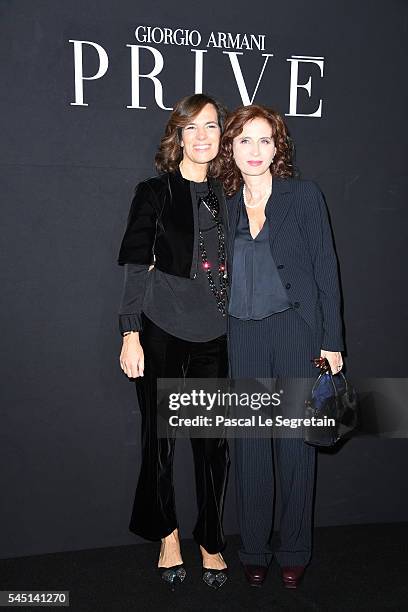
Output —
(316, 225)
(138, 240)
(134, 287)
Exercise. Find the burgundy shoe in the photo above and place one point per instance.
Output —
(291, 576)
(255, 574)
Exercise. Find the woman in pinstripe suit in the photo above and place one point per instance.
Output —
(284, 311)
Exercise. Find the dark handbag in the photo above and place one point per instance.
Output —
(331, 397)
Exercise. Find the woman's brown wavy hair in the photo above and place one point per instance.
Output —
(170, 151)
(282, 164)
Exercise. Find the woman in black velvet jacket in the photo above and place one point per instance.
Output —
(173, 319)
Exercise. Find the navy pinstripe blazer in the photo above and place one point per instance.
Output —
(302, 247)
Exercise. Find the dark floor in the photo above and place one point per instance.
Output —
(359, 567)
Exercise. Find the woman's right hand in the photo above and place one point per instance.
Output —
(132, 357)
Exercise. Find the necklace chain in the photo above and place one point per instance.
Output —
(266, 195)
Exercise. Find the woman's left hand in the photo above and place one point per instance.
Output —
(335, 360)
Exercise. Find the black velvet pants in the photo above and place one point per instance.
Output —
(154, 514)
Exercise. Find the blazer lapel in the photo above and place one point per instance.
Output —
(279, 206)
(233, 211)
(232, 204)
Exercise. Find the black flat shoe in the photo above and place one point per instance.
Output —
(215, 578)
(173, 576)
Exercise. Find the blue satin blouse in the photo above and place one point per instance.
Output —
(256, 289)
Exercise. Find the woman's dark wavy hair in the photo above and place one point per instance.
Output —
(170, 151)
(282, 164)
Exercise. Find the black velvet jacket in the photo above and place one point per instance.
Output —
(162, 226)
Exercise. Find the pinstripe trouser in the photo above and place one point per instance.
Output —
(279, 345)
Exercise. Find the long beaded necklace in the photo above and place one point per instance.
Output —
(210, 201)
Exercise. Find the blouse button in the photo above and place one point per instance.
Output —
(280, 266)
(296, 304)
(288, 285)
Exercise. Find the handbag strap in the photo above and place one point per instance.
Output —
(326, 369)
(321, 374)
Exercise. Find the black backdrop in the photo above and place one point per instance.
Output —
(69, 434)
